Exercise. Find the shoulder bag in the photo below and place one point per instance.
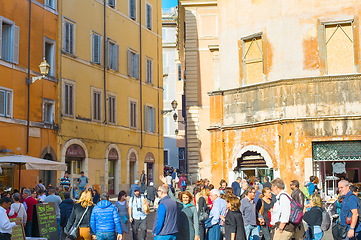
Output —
(73, 233)
(203, 215)
(340, 231)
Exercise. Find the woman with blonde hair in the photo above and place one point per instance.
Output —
(313, 218)
(80, 217)
(203, 210)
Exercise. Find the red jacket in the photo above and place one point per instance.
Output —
(181, 180)
(30, 202)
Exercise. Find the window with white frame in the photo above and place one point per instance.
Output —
(113, 55)
(96, 41)
(112, 106)
(133, 114)
(97, 105)
(69, 37)
(49, 55)
(68, 99)
(150, 118)
(9, 41)
(50, 3)
(132, 9)
(148, 9)
(133, 64)
(5, 102)
(48, 111)
(111, 3)
(149, 70)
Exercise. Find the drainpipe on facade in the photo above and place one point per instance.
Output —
(140, 74)
(159, 151)
(28, 83)
(104, 68)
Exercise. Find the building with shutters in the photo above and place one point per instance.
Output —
(289, 99)
(110, 91)
(17, 98)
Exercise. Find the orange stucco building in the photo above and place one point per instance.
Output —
(40, 140)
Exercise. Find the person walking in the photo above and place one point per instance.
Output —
(29, 202)
(65, 182)
(83, 181)
(151, 193)
(143, 179)
(313, 218)
(57, 201)
(219, 208)
(202, 208)
(174, 179)
(132, 187)
(250, 215)
(104, 220)
(297, 194)
(18, 208)
(5, 224)
(258, 182)
(281, 212)
(188, 225)
(66, 207)
(122, 207)
(80, 217)
(137, 214)
(165, 223)
(349, 211)
(264, 205)
(233, 221)
(40, 186)
(266, 182)
(182, 184)
(237, 187)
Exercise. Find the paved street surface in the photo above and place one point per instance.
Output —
(150, 221)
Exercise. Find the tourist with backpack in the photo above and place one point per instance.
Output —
(182, 184)
(311, 187)
(286, 214)
(315, 219)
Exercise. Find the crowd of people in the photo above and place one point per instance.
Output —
(249, 209)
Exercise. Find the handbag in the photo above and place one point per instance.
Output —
(73, 233)
(340, 231)
(203, 215)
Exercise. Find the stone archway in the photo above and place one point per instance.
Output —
(112, 156)
(132, 165)
(47, 176)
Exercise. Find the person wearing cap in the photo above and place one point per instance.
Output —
(151, 193)
(137, 215)
(132, 187)
(83, 181)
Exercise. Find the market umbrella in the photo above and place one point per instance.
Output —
(33, 163)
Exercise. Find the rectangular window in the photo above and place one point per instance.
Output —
(179, 67)
(111, 3)
(252, 58)
(113, 56)
(9, 41)
(181, 154)
(149, 70)
(166, 157)
(49, 111)
(97, 104)
(69, 99)
(112, 106)
(149, 16)
(339, 48)
(69, 38)
(96, 41)
(149, 119)
(50, 3)
(133, 114)
(132, 9)
(5, 103)
(133, 64)
(49, 55)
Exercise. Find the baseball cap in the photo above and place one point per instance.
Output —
(136, 188)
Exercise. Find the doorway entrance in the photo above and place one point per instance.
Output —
(74, 159)
(46, 175)
(112, 167)
(132, 168)
(149, 161)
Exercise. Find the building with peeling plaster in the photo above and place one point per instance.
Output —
(289, 99)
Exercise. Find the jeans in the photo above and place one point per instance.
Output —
(165, 237)
(58, 220)
(214, 233)
(142, 187)
(316, 236)
(81, 188)
(5, 236)
(252, 232)
(28, 229)
(139, 224)
(106, 236)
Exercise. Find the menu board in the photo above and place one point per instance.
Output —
(44, 223)
(18, 232)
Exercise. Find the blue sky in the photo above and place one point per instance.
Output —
(169, 3)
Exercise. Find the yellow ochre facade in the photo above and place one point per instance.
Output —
(110, 123)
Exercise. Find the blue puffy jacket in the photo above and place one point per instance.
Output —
(105, 218)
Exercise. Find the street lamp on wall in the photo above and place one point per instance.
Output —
(44, 70)
(174, 107)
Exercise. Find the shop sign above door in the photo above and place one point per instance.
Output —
(113, 154)
(75, 151)
(338, 168)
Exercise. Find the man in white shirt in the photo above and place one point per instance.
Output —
(5, 225)
(281, 212)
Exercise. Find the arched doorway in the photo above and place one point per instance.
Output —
(48, 176)
(149, 161)
(132, 160)
(112, 170)
(74, 159)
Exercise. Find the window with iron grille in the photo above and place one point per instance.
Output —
(336, 151)
(97, 103)
(112, 106)
(133, 64)
(133, 114)
(149, 70)
(5, 103)
(69, 37)
(96, 41)
(149, 16)
(111, 3)
(113, 56)
(132, 9)
(9, 41)
(68, 99)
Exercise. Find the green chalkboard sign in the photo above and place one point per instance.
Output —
(44, 223)
(18, 232)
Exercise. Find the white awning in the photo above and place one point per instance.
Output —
(33, 163)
